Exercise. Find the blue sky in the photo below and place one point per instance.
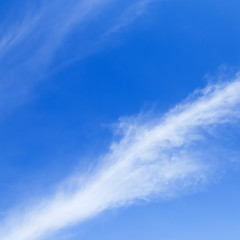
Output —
(119, 119)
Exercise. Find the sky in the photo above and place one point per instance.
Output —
(119, 119)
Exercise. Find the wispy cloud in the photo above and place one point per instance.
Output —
(50, 22)
(28, 47)
(160, 157)
(129, 15)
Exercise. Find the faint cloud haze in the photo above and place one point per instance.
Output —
(29, 45)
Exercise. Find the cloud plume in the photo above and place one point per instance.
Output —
(154, 158)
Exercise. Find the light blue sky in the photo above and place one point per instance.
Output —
(119, 119)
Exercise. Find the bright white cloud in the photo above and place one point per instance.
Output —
(156, 158)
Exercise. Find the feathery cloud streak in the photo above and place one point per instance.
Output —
(29, 46)
(129, 15)
(156, 158)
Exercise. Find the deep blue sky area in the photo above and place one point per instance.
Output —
(67, 118)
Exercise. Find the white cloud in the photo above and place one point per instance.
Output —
(154, 158)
